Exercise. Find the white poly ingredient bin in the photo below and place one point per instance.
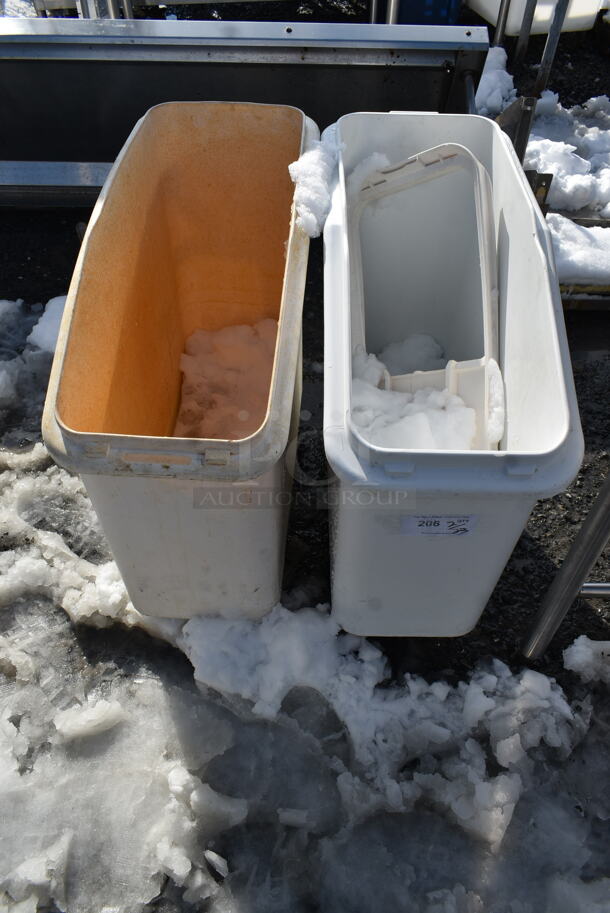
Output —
(194, 229)
(419, 538)
(580, 16)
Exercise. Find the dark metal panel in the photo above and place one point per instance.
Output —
(83, 110)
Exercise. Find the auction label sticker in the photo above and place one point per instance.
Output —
(438, 526)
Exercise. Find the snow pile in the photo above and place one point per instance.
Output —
(496, 90)
(574, 146)
(312, 173)
(590, 659)
(227, 377)
(433, 730)
(24, 369)
(425, 420)
(17, 8)
(45, 333)
(582, 254)
(96, 814)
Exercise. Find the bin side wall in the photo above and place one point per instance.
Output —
(421, 269)
(188, 548)
(191, 234)
(392, 577)
(532, 346)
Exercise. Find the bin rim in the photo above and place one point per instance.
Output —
(204, 459)
(540, 474)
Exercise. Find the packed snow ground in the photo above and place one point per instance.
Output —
(295, 777)
(226, 381)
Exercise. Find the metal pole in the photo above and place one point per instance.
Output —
(471, 105)
(86, 9)
(596, 589)
(524, 33)
(127, 9)
(524, 127)
(113, 9)
(501, 23)
(392, 13)
(586, 549)
(550, 48)
(373, 11)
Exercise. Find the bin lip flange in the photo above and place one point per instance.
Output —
(537, 473)
(82, 452)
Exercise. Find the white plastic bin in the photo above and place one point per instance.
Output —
(194, 229)
(420, 538)
(580, 16)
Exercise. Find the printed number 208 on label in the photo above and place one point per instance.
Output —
(438, 526)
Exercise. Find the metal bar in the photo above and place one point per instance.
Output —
(51, 183)
(373, 11)
(501, 23)
(524, 33)
(127, 9)
(596, 589)
(522, 135)
(113, 9)
(471, 105)
(392, 12)
(86, 10)
(57, 33)
(584, 552)
(550, 47)
(516, 121)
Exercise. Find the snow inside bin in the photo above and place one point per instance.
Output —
(193, 231)
(420, 536)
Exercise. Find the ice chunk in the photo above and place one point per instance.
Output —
(219, 864)
(367, 367)
(476, 705)
(215, 812)
(45, 333)
(590, 659)
(496, 90)
(226, 381)
(95, 717)
(509, 751)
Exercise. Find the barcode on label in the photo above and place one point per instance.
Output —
(438, 526)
